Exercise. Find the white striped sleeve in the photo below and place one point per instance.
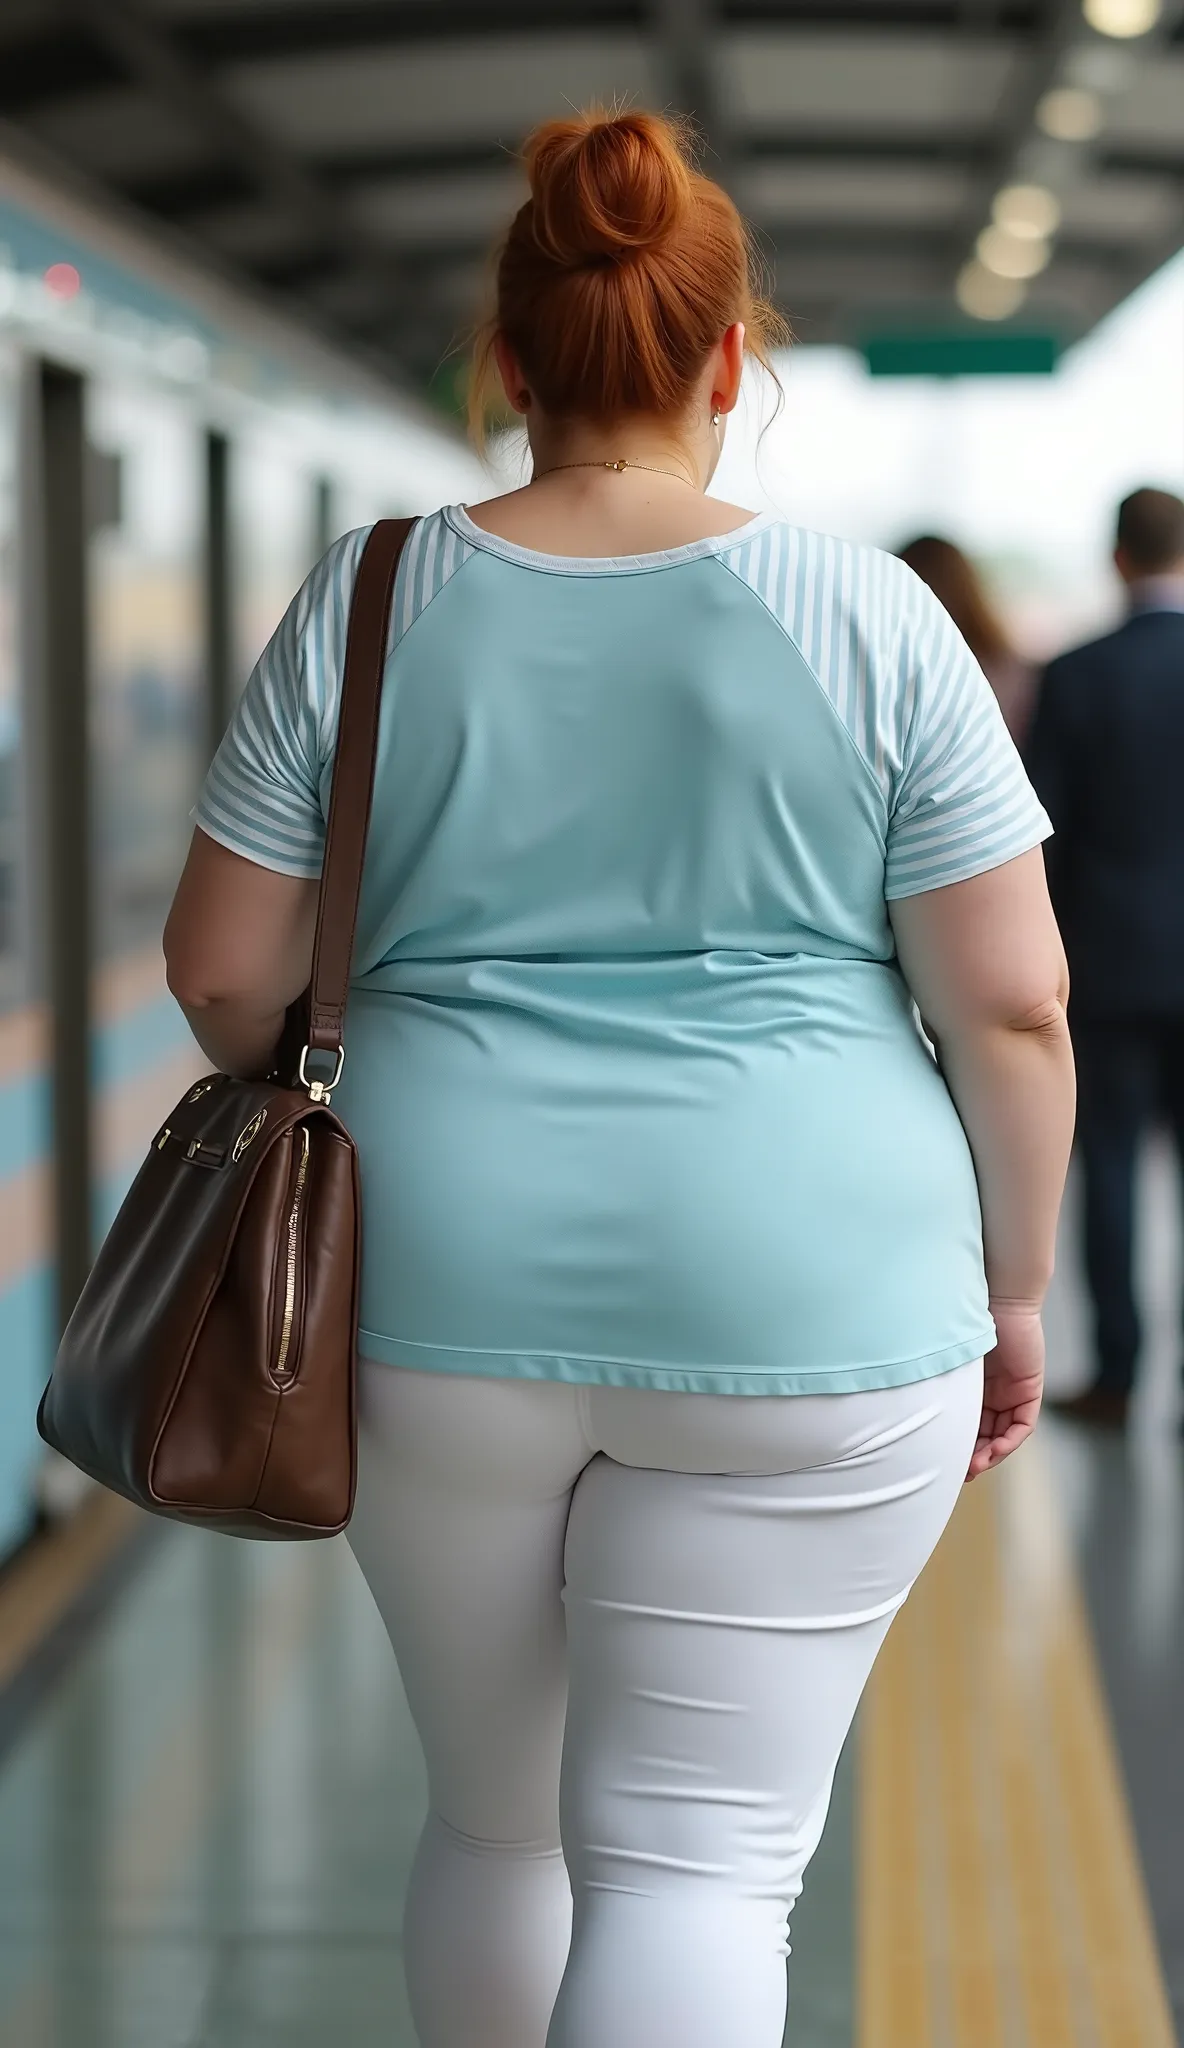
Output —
(263, 797)
(267, 793)
(961, 802)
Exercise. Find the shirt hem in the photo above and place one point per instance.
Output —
(982, 860)
(260, 857)
(669, 1379)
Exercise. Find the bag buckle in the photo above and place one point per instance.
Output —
(320, 1091)
(200, 1154)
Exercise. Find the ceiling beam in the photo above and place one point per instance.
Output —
(684, 31)
(1152, 160)
(254, 34)
(796, 146)
(934, 17)
(181, 194)
(1062, 26)
(1066, 30)
(859, 240)
(978, 18)
(42, 65)
(151, 58)
(1151, 255)
(261, 34)
(139, 43)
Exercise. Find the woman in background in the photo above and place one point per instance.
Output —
(956, 583)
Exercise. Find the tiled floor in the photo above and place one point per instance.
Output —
(205, 1831)
(205, 1836)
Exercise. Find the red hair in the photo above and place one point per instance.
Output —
(621, 272)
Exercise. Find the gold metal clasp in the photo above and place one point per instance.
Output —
(320, 1091)
(205, 1155)
(248, 1134)
(202, 1088)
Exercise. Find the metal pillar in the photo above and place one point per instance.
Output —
(323, 530)
(58, 735)
(219, 630)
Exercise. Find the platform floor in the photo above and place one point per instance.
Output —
(207, 1813)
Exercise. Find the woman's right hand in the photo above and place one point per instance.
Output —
(1013, 1384)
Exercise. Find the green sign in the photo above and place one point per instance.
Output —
(973, 353)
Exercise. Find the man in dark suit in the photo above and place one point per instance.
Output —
(1106, 753)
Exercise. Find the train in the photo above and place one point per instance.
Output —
(175, 454)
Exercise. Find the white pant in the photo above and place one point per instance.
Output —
(729, 1567)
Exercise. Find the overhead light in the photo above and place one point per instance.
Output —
(1011, 255)
(1070, 114)
(987, 296)
(1122, 17)
(1029, 211)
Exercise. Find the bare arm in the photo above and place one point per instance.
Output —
(986, 967)
(238, 950)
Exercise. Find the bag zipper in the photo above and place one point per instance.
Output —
(281, 1372)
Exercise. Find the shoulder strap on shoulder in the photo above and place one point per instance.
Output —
(353, 788)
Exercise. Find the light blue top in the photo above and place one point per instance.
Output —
(633, 1072)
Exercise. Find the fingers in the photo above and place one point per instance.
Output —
(1000, 1433)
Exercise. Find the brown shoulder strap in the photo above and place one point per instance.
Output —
(353, 782)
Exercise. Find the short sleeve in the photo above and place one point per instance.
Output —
(264, 795)
(961, 802)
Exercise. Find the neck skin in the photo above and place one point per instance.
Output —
(687, 452)
(1161, 593)
(687, 448)
(1149, 586)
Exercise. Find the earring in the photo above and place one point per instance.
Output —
(715, 417)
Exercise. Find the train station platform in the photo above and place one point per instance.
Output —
(210, 1787)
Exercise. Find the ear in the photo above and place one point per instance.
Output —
(509, 370)
(728, 368)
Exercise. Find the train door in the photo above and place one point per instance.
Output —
(26, 1275)
(274, 518)
(147, 745)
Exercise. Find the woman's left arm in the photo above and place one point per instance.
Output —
(238, 950)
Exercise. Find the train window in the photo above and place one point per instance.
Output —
(147, 741)
(146, 725)
(273, 529)
(12, 961)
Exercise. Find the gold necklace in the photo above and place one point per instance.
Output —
(622, 462)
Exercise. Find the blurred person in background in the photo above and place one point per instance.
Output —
(957, 584)
(693, 1287)
(1106, 754)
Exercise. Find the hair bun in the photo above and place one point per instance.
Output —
(604, 187)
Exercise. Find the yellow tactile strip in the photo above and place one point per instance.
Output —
(1000, 1897)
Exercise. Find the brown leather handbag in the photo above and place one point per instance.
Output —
(208, 1372)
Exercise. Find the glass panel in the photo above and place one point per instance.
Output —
(273, 543)
(13, 981)
(146, 724)
(26, 1273)
(147, 749)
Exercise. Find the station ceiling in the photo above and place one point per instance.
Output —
(356, 157)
